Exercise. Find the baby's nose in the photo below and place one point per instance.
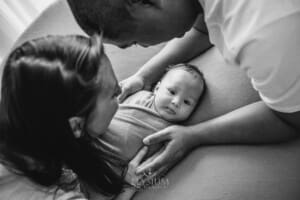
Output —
(176, 102)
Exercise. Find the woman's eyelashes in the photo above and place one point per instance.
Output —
(117, 92)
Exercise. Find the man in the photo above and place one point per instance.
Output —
(260, 37)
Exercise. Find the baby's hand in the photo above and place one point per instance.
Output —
(130, 85)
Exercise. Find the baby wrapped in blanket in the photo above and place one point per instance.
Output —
(173, 100)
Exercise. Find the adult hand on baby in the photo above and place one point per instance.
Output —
(134, 179)
(131, 85)
(177, 142)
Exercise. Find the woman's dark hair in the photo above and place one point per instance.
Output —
(45, 82)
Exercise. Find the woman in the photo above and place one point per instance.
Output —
(52, 89)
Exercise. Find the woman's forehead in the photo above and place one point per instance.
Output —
(106, 75)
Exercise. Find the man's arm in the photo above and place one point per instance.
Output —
(178, 50)
(251, 124)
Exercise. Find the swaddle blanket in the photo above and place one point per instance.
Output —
(131, 123)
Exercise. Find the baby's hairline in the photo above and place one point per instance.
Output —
(192, 69)
(189, 68)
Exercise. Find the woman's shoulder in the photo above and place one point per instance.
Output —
(14, 186)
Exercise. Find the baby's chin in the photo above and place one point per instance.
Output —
(173, 118)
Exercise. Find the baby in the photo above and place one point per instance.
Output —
(173, 100)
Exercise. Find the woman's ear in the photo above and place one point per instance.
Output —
(77, 125)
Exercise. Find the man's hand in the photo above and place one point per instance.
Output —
(177, 142)
(131, 85)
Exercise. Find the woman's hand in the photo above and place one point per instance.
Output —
(131, 85)
(131, 177)
(178, 141)
(134, 179)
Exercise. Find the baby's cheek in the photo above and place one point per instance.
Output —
(188, 112)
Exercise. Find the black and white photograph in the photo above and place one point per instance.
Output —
(150, 99)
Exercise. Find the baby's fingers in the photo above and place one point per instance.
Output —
(125, 92)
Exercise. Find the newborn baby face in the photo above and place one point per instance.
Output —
(177, 94)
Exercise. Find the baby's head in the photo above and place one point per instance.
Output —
(178, 92)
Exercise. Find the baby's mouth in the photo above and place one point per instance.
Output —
(170, 111)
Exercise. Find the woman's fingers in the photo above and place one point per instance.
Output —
(157, 174)
(156, 163)
(150, 178)
(149, 160)
(139, 156)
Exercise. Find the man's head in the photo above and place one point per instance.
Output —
(177, 94)
(145, 22)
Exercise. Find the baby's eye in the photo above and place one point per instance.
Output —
(171, 91)
(187, 102)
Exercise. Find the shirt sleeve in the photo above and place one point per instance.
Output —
(271, 59)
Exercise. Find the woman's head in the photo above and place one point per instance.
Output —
(46, 82)
(125, 22)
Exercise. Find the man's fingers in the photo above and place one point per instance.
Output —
(140, 155)
(156, 137)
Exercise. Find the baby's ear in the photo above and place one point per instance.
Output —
(77, 125)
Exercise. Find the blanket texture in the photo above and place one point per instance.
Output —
(127, 129)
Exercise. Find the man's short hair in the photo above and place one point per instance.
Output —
(111, 17)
